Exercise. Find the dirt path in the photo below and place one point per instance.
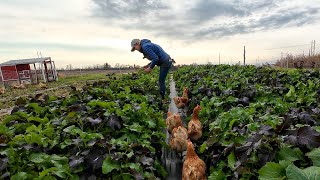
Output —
(170, 159)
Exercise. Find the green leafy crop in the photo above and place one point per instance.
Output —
(110, 129)
(258, 122)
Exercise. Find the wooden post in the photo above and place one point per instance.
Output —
(34, 65)
(17, 74)
(52, 72)
(2, 79)
(55, 71)
(43, 74)
(30, 74)
(244, 55)
(46, 70)
(39, 67)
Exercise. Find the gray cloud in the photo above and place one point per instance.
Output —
(257, 5)
(126, 9)
(205, 10)
(273, 21)
(56, 46)
(201, 20)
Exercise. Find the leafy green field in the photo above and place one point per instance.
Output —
(78, 81)
(111, 129)
(258, 122)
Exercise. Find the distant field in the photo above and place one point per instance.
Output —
(85, 72)
(58, 88)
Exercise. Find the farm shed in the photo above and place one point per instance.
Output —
(28, 71)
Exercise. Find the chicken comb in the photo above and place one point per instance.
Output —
(176, 115)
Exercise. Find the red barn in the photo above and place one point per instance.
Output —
(28, 71)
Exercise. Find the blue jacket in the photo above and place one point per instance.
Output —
(154, 53)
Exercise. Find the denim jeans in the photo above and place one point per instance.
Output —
(164, 70)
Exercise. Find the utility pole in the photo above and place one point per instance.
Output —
(314, 47)
(287, 61)
(244, 55)
(219, 58)
(309, 53)
(311, 48)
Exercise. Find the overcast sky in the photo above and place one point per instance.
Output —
(88, 32)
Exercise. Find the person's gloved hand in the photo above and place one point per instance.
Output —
(147, 70)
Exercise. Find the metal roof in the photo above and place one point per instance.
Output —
(24, 61)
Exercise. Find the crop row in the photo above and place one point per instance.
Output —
(258, 122)
(109, 129)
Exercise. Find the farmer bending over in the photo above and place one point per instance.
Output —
(157, 56)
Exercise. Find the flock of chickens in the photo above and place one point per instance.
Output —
(193, 167)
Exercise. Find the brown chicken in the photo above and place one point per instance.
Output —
(61, 75)
(173, 121)
(3, 139)
(2, 90)
(178, 102)
(178, 141)
(184, 98)
(42, 85)
(193, 168)
(194, 125)
(20, 86)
